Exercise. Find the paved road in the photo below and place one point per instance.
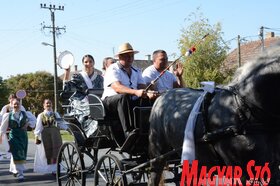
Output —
(31, 178)
(35, 179)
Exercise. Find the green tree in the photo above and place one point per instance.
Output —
(4, 92)
(38, 86)
(205, 63)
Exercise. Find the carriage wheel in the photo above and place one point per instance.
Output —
(108, 171)
(70, 166)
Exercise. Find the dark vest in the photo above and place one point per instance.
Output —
(48, 120)
(13, 123)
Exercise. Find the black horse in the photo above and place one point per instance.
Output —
(237, 123)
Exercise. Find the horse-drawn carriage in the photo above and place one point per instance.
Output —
(124, 161)
(238, 123)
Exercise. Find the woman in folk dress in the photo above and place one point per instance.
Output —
(17, 120)
(48, 139)
(5, 109)
(88, 78)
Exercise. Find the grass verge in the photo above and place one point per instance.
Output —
(64, 134)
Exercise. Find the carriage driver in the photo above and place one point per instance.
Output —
(123, 87)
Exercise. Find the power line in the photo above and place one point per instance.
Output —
(261, 34)
(276, 29)
(54, 31)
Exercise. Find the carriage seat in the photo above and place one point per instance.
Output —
(141, 118)
(96, 107)
(84, 125)
(137, 140)
(96, 91)
(66, 107)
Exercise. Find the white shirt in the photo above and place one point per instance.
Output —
(39, 125)
(31, 119)
(115, 72)
(165, 82)
(4, 110)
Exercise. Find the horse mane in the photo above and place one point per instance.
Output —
(264, 59)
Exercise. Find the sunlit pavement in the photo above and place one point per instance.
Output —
(30, 178)
(34, 179)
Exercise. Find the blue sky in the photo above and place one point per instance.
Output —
(98, 27)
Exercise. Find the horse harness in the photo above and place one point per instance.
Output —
(249, 123)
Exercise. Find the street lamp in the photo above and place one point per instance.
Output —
(46, 44)
(55, 74)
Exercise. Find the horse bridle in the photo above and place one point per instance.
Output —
(255, 110)
(249, 121)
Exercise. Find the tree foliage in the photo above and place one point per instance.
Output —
(38, 86)
(205, 63)
(4, 92)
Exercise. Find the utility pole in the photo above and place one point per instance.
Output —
(262, 38)
(54, 29)
(238, 51)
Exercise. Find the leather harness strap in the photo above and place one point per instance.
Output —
(249, 124)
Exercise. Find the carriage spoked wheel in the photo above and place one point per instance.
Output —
(70, 166)
(108, 171)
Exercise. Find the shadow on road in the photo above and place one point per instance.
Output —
(31, 178)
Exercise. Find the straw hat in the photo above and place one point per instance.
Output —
(126, 48)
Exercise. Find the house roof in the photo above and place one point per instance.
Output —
(248, 51)
(142, 64)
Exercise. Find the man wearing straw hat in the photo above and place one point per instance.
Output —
(123, 87)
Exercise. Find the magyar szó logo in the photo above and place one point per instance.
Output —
(224, 175)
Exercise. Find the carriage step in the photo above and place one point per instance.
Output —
(130, 140)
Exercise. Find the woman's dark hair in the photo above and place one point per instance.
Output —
(11, 96)
(89, 56)
(47, 99)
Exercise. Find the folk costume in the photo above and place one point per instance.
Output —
(79, 83)
(48, 133)
(18, 139)
(6, 109)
